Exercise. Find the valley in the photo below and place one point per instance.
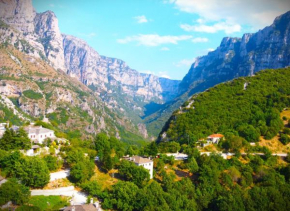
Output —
(84, 131)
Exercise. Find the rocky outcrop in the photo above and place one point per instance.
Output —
(19, 14)
(46, 27)
(34, 33)
(235, 57)
(102, 72)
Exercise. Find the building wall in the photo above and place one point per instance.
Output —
(149, 167)
(41, 137)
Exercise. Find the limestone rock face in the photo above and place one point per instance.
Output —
(46, 27)
(102, 72)
(235, 57)
(34, 33)
(19, 14)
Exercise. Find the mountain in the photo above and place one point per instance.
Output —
(235, 57)
(30, 89)
(124, 90)
(248, 106)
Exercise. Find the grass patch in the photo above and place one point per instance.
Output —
(105, 180)
(49, 202)
(32, 94)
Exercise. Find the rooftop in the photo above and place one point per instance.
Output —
(37, 129)
(140, 160)
(216, 136)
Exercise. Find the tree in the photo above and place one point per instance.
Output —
(15, 140)
(284, 139)
(52, 162)
(93, 188)
(33, 172)
(192, 165)
(234, 174)
(9, 163)
(249, 133)
(82, 171)
(74, 156)
(102, 143)
(107, 161)
(131, 172)
(123, 196)
(13, 191)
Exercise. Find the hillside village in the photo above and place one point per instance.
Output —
(134, 165)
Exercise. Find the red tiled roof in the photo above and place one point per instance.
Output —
(216, 136)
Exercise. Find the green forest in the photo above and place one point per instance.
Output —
(248, 107)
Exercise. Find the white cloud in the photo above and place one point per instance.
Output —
(163, 74)
(164, 49)
(141, 19)
(154, 39)
(210, 49)
(228, 28)
(51, 5)
(185, 62)
(257, 13)
(199, 39)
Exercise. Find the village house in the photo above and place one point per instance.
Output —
(145, 162)
(215, 138)
(212, 139)
(38, 133)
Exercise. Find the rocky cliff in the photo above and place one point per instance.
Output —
(123, 89)
(235, 57)
(46, 27)
(103, 72)
(34, 33)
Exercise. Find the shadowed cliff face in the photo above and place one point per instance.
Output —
(235, 57)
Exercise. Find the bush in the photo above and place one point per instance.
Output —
(131, 172)
(15, 192)
(33, 172)
(32, 94)
(52, 162)
(284, 139)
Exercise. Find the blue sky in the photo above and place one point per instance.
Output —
(160, 36)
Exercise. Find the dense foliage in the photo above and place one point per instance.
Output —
(82, 167)
(216, 184)
(248, 107)
(13, 191)
(31, 171)
(130, 172)
(15, 140)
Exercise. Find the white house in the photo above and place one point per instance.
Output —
(178, 156)
(38, 134)
(214, 138)
(145, 162)
(2, 129)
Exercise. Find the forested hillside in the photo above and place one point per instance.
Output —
(248, 107)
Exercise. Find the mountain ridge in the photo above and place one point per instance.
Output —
(268, 48)
(38, 35)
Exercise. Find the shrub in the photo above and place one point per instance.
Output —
(32, 94)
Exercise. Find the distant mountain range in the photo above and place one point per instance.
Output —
(235, 57)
